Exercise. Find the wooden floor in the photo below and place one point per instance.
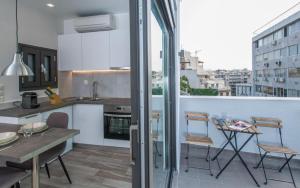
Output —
(89, 167)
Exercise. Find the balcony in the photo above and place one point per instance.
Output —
(286, 109)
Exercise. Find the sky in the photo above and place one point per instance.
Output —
(222, 30)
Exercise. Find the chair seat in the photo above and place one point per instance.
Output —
(277, 149)
(199, 140)
(10, 176)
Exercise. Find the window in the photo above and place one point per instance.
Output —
(260, 43)
(293, 28)
(276, 54)
(268, 40)
(268, 90)
(258, 88)
(259, 58)
(283, 52)
(279, 34)
(293, 50)
(280, 73)
(294, 72)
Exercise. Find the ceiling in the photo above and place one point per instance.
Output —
(65, 9)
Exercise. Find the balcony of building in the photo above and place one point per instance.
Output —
(286, 109)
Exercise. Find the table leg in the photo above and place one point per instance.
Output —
(35, 172)
(222, 149)
(237, 153)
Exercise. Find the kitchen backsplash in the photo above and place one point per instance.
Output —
(110, 84)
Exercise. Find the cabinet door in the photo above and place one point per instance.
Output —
(69, 52)
(89, 120)
(31, 57)
(48, 68)
(120, 44)
(95, 50)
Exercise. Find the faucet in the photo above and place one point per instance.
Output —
(95, 86)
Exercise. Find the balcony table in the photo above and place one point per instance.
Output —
(231, 134)
(30, 148)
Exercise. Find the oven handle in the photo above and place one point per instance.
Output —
(117, 115)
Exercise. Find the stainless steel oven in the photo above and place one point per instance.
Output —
(117, 121)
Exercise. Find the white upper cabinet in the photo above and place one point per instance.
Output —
(95, 50)
(120, 43)
(69, 52)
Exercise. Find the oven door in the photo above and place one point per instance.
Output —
(116, 126)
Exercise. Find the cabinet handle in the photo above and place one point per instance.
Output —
(131, 130)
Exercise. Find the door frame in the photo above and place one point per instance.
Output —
(140, 12)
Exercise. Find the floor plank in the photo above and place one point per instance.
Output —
(89, 167)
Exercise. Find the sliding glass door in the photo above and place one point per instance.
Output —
(153, 95)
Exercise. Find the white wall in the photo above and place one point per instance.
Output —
(35, 28)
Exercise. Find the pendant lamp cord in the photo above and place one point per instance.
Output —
(17, 29)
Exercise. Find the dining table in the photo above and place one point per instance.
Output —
(27, 148)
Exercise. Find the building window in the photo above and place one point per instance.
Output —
(293, 28)
(279, 34)
(294, 72)
(268, 40)
(277, 54)
(283, 52)
(259, 58)
(293, 50)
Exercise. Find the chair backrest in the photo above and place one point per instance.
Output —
(58, 120)
(197, 116)
(267, 122)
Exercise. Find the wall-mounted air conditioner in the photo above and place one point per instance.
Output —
(274, 42)
(94, 23)
(281, 80)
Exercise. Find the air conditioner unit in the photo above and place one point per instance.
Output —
(94, 23)
(274, 42)
(281, 80)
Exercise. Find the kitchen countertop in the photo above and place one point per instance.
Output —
(18, 112)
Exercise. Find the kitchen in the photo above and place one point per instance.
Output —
(79, 53)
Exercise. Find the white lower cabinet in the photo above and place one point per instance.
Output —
(88, 118)
(68, 110)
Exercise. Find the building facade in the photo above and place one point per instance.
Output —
(276, 60)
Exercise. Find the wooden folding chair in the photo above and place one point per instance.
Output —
(198, 140)
(268, 148)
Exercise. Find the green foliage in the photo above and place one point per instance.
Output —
(186, 88)
(157, 91)
(184, 84)
(204, 92)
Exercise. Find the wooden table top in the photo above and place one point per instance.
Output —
(250, 130)
(27, 148)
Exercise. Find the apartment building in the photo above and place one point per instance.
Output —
(276, 63)
(192, 69)
(234, 77)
